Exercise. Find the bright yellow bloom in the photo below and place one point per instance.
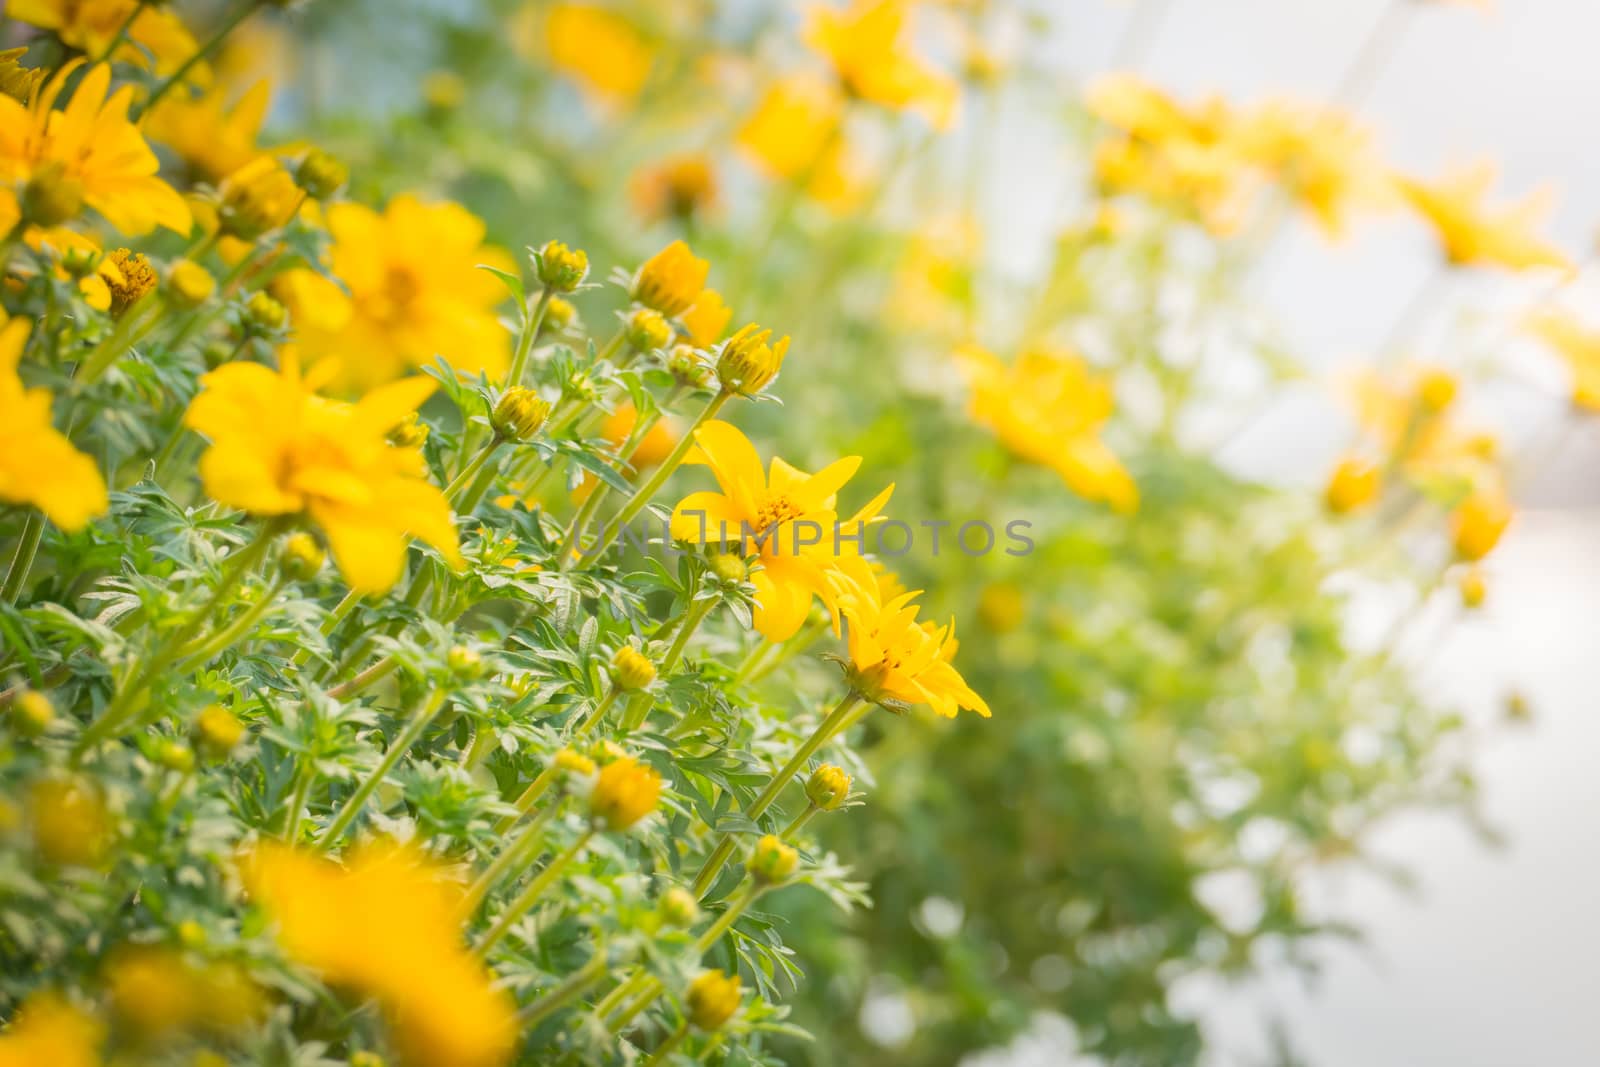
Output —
(1321, 157)
(625, 792)
(213, 136)
(796, 133)
(865, 44)
(894, 659)
(656, 444)
(671, 280)
(385, 926)
(1049, 408)
(678, 187)
(1479, 521)
(1411, 423)
(38, 465)
(712, 999)
(599, 48)
(1579, 348)
(89, 26)
(750, 360)
(277, 448)
(1471, 234)
(777, 513)
(259, 197)
(156, 992)
(1354, 484)
(49, 1030)
(415, 293)
(707, 319)
(90, 148)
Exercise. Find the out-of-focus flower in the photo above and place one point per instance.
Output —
(865, 45)
(712, 999)
(216, 730)
(671, 280)
(770, 509)
(88, 148)
(90, 25)
(277, 448)
(895, 660)
(599, 48)
(1410, 421)
(1049, 408)
(1472, 234)
(771, 861)
(933, 284)
(258, 197)
(707, 319)
(17, 81)
(38, 464)
(385, 926)
(1322, 157)
(189, 284)
(47, 1029)
(1479, 521)
(1354, 484)
(796, 134)
(680, 187)
(625, 792)
(653, 447)
(415, 293)
(157, 992)
(71, 825)
(211, 132)
(1578, 346)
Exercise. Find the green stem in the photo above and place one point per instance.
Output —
(375, 673)
(639, 705)
(518, 851)
(469, 473)
(530, 331)
(644, 988)
(297, 803)
(669, 1046)
(407, 737)
(559, 997)
(819, 737)
(205, 650)
(592, 720)
(22, 559)
(121, 34)
(530, 896)
(228, 26)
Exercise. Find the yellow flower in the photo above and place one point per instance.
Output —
(828, 787)
(215, 138)
(679, 187)
(1478, 523)
(415, 292)
(16, 80)
(156, 992)
(1321, 157)
(748, 362)
(707, 319)
(49, 1030)
(671, 280)
(90, 25)
(277, 448)
(712, 999)
(385, 927)
(38, 465)
(71, 826)
(894, 659)
(772, 511)
(1579, 348)
(1410, 421)
(656, 444)
(599, 48)
(1354, 484)
(625, 792)
(631, 669)
(92, 148)
(771, 861)
(796, 134)
(216, 730)
(1471, 234)
(865, 46)
(1049, 409)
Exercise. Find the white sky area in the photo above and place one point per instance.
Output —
(1492, 963)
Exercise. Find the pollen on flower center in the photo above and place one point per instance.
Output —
(775, 510)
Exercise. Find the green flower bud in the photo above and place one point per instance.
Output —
(631, 669)
(32, 713)
(648, 330)
(679, 908)
(559, 267)
(828, 787)
(519, 413)
(321, 175)
(772, 861)
(301, 557)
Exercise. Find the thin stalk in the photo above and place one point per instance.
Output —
(519, 850)
(176, 78)
(297, 803)
(530, 331)
(469, 473)
(559, 997)
(329, 624)
(375, 673)
(669, 1046)
(592, 720)
(205, 650)
(408, 736)
(819, 737)
(1373, 54)
(644, 987)
(22, 559)
(121, 34)
(639, 705)
(530, 896)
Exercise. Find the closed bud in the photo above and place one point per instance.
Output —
(631, 669)
(828, 787)
(559, 314)
(258, 197)
(129, 276)
(749, 361)
(32, 713)
(729, 568)
(689, 367)
(573, 762)
(648, 330)
(772, 861)
(1478, 524)
(301, 557)
(50, 197)
(217, 731)
(263, 315)
(561, 268)
(1355, 484)
(1436, 390)
(712, 999)
(625, 792)
(189, 284)
(519, 413)
(670, 280)
(464, 662)
(409, 432)
(1472, 587)
(175, 756)
(321, 175)
(679, 908)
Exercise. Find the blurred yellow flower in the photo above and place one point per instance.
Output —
(1322, 157)
(1049, 408)
(415, 293)
(712, 998)
(1479, 521)
(385, 926)
(1579, 348)
(1354, 484)
(88, 151)
(213, 136)
(894, 659)
(796, 134)
(707, 319)
(865, 45)
(770, 510)
(71, 826)
(156, 992)
(671, 280)
(47, 1030)
(679, 187)
(1409, 419)
(599, 48)
(1471, 234)
(90, 25)
(259, 197)
(39, 465)
(277, 448)
(625, 792)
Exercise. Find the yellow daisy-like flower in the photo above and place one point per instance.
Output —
(277, 448)
(625, 792)
(49, 1030)
(865, 45)
(1321, 157)
(1049, 409)
(88, 149)
(678, 187)
(671, 280)
(796, 134)
(90, 25)
(778, 512)
(38, 465)
(1579, 348)
(1471, 234)
(707, 319)
(415, 292)
(599, 48)
(386, 926)
(211, 132)
(895, 659)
